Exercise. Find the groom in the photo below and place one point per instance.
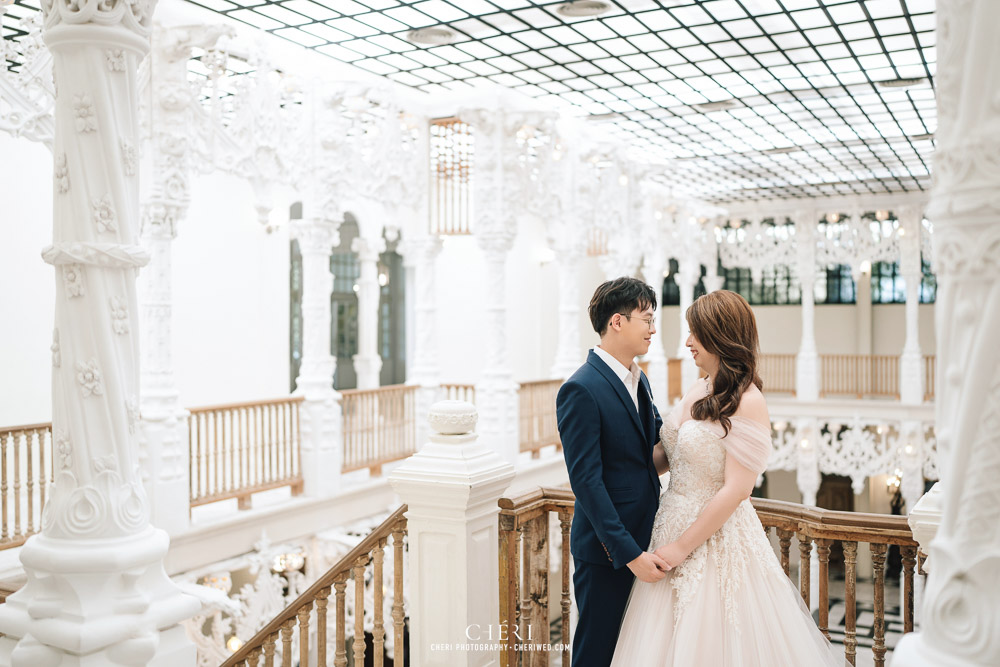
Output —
(609, 426)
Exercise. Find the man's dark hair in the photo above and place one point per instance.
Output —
(621, 295)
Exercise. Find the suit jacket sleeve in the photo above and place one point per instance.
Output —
(580, 430)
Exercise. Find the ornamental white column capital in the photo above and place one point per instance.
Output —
(368, 250)
(315, 236)
(418, 250)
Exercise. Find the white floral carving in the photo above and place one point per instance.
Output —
(83, 109)
(104, 214)
(73, 279)
(105, 463)
(132, 410)
(56, 353)
(119, 315)
(128, 157)
(115, 59)
(61, 174)
(88, 375)
(64, 449)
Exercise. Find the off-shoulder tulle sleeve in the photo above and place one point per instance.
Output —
(749, 442)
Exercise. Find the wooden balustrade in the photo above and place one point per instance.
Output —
(859, 375)
(25, 480)
(930, 363)
(675, 389)
(459, 392)
(778, 373)
(537, 414)
(239, 449)
(524, 566)
(380, 425)
(298, 624)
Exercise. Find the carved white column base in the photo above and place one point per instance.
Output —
(807, 376)
(911, 380)
(497, 402)
(96, 602)
(164, 459)
(322, 450)
(657, 375)
(367, 368)
(451, 487)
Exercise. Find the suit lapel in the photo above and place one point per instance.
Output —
(619, 388)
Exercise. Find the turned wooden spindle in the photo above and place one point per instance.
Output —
(909, 557)
(303, 616)
(850, 602)
(287, 628)
(878, 565)
(823, 551)
(378, 611)
(536, 614)
(565, 519)
(805, 548)
(322, 601)
(507, 536)
(397, 592)
(785, 545)
(340, 652)
(269, 646)
(359, 610)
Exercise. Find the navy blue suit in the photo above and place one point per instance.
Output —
(608, 447)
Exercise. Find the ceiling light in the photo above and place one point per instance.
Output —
(604, 117)
(708, 107)
(900, 83)
(433, 36)
(781, 151)
(582, 8)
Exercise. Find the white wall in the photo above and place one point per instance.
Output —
(27, 284)
(231, 298)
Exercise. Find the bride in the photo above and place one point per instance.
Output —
(725, 600)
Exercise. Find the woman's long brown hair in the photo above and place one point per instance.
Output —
(725, 326)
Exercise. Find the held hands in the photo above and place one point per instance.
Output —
(672, 554)
(648, 567)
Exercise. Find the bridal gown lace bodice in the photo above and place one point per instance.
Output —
(697, 455)
(728, 604)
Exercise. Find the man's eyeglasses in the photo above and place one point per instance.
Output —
(647, 320)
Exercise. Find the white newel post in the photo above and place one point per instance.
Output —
(687, 279)
(451, 488)
(961, 609)
(319, 417)
(807, 361)
(96, 591)
(367, 362)
(496, 391)
(421, 254)
(652, 272)
(911, 381)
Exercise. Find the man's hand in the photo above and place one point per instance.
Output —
(648, 567)
(672, 554)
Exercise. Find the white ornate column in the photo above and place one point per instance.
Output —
(320, 417)
(961, 610)
(367, 362)
(687, 279)
(421, 254)
(451, 487)
(807, 360)
(496, 391)
(569, 351)
(911, 381)
(96, 591)
(653, 266)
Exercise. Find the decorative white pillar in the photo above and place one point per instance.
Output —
(421, 253)
(96, 591)
(687, 279)
(961, 610)
(496, 391)
(807, 361)
(911, 380)
(911, 462)
(367, 362)
(653, 266)
(320, 417)
(569, 352)
(451, 487)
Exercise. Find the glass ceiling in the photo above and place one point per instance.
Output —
(741, 99)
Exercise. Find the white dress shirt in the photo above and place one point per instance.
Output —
(628, 376)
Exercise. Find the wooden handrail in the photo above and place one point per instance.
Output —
(394, 525)
(247, 404)
(26, 427)
(523, 538)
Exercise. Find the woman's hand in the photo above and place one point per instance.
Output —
(673, 553)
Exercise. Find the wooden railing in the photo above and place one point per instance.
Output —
(298, 625)
(778, 373)
(380, 425)
(859, 375)
(675, 388)
(25, 478)
(524, 591)
(524, 566)
(537, 414)
(929, 368)
(459, 392)
(242, 448)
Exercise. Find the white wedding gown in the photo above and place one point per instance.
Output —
(728, 604)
